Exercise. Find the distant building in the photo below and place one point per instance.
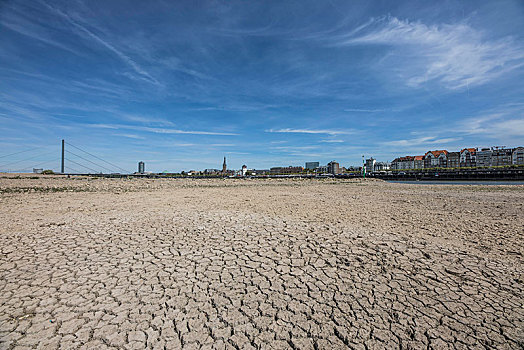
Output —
(501, 156)
(141, 167)
(211, 171)
(407, 162)
(354, 169)
(286, 170)
(312, 165)
(370, 165)
(381, 166)
(37, 171)
(418, 162)
(433, 159)
(322, 169)
(395, 164)
(403, 163)
(453, 159)
(224, 166)
(333, 167)
(468, 157)
(484, 157)
(517, 157)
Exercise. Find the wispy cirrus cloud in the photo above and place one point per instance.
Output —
(130, 136)
(455, 55)
(159, 130)
(148, 120)
(87, 33)
(18, 22)
(237, 107)
(185, 144)
(312, 131)
(364, 110)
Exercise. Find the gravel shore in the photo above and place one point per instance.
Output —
(305, 264)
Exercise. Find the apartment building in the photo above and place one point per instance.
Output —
(333, 167)
(433, 159)
(453, 160)
(286, 170)
(468, 157)
(484, 157)
(381, 166)
(418, 162)
(501, 156)
(312, 165)
(517, 157)
(406, 162)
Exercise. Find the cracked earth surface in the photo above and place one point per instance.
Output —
(276, 264)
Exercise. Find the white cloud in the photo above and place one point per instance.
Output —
(310, 131)
(420, 141)
(332, 141)
(455, 55)
(293, 148)
(502, 125)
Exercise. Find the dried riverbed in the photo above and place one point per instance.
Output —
(134, 264)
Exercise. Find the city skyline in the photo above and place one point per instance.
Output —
(467, 162)
(180, 86)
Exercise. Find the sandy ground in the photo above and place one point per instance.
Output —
(305, 264)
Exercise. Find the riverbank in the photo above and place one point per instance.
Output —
(460, 182)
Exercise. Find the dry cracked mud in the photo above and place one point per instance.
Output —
(265, 264)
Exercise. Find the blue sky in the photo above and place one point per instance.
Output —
(180, 84)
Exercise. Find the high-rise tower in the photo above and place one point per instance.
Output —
(224, 166)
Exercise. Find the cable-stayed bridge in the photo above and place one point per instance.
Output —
(69, 159)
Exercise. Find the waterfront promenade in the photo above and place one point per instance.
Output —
(98, 263)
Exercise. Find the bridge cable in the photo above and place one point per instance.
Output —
(92, 155)
(76, 171)
(83, 166)
(23, 160)
(87, 160)
(12, 154)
